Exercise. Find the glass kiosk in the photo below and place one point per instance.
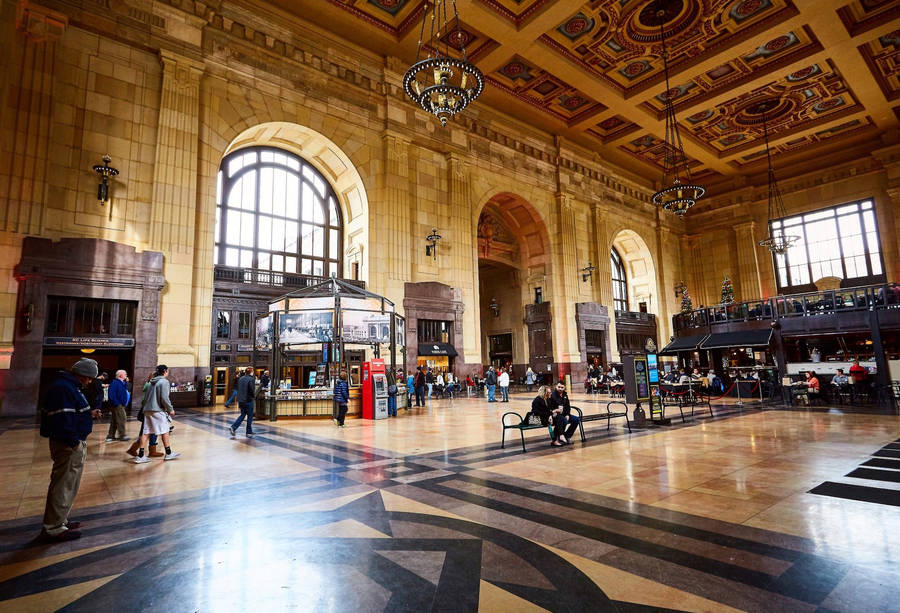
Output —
(311, 334)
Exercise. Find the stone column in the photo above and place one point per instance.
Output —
(693, 270)
(565, 337)
(25, 117)
(392, 220)
(748, 265)
(464, 255)
(174, 215)
(603, 275)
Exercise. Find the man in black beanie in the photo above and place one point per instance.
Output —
(67, 420)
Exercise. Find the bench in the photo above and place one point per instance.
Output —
(521, 426)
(608, 416)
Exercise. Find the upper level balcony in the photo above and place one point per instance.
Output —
(270, 279)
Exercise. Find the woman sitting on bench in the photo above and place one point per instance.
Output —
(540, 406)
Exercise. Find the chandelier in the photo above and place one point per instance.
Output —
(678, 193)
(776, 242)
(441, 84)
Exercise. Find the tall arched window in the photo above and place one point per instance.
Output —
(619, 281)
(274, 211)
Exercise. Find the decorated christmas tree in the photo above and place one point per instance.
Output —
(727, 291)
(686, 304)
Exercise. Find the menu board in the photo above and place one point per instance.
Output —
(641, 379)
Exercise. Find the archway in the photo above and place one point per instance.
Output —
(641, 300)
(513, 256)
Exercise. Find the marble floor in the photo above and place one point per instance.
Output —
(750, 510)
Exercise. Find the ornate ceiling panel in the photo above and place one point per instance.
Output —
(591, 70)
(539, 88)
(883, 57)
(809, 96)
(616, 41)
(862, 15)
(463, 36)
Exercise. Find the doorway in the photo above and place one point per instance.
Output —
(108, 361)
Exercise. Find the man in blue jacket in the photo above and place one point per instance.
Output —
(67, 420)
(341, 398)
(118, 400)
(246, 393)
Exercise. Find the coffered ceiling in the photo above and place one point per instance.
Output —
(592, 72)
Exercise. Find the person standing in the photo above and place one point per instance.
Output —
(410, 389)
(246, 392)
(429, 381)
(264, 382)
(118, 400)
(341, 398)
(529, 379)
(490, 380)
(449, 382)
(392, 391)
(859, 375)
(156, 406)
(420, 387)
(504, 385)
(66, 420)
(439, 382)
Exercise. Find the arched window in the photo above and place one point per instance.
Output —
(274, 211)
(619, 281)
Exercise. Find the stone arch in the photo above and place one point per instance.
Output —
(333, 163)
(640, 270)
(519, 218)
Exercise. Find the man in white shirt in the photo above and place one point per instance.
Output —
(503, 381)
(449, 383)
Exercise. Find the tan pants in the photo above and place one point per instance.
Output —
(65, 477)
(116, 422)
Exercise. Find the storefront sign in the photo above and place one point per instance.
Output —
(245, 347)
(89, 341)
(223, 347)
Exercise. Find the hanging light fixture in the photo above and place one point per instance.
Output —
(777, 241)
(432, 240)
(678, 193)
(441, 84)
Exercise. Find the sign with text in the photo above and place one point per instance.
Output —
(89, 341)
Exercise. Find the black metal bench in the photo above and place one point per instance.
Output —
(608, 416)
(521, 426)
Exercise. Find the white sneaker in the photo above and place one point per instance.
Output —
(141, 459)
(230, 429)
(563, 440)
(171, 456)
(109, 439)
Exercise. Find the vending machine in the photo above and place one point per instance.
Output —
(374, 390)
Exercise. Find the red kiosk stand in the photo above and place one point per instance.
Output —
(374, 390)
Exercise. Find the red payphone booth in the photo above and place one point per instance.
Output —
(374, 390)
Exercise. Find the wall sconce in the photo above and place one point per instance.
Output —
(106, 171)
(679, 288)
(28, 317)
(433, 238)
(495, 307)
(588, 273)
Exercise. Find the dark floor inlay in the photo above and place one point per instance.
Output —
(858, 492)
(877, 475)
(881, 463)
(887, 454)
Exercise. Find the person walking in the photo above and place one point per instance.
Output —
(410, 389)
(246, 392)
(490, 380)
(118, 400)
(234, 388)
(504, 384)
(341, 398)
(133, 450)
(66, 420)
(156, 406)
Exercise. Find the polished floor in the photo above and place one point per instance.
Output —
(425, 512)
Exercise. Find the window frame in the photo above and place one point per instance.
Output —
(618, 265)
(782, 266)
(268, 258)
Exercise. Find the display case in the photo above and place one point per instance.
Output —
(312, 402)
(184, 395)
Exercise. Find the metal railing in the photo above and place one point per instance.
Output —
(828, 302)
(635, 316)
(269, 278)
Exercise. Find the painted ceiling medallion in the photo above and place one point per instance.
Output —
(442, 84)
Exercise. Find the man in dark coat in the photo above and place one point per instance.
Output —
(67, 420)
(246, 393)
(559, 399)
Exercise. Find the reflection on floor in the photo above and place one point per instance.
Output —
(426, 512)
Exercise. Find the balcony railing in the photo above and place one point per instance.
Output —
(881, 296)
(635, 316)
(268, 278)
